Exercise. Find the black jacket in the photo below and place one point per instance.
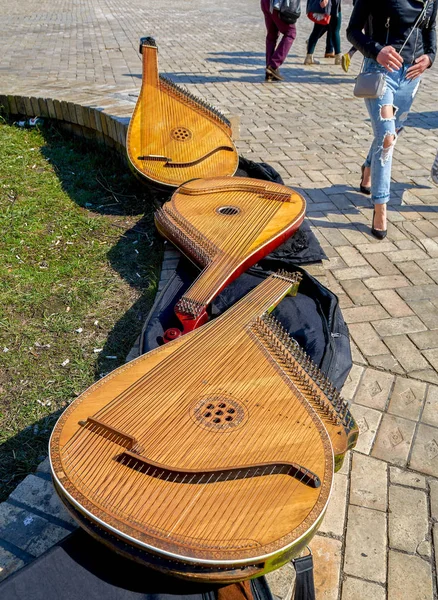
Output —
(401, 16)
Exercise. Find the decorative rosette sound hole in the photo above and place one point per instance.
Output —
(218, 412)
(181, 134)
(228, 211)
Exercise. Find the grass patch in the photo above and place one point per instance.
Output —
(79, 262)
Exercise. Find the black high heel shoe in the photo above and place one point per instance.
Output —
(380, 234)
(364, 189)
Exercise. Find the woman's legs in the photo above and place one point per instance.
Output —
(289, 33)
(317, 32)
(387, 113)
(272, 32)
(335, 32)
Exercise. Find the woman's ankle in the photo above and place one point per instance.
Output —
(366, 180)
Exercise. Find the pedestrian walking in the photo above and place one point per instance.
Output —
(276, 52)
(401, 46)
(333, 30)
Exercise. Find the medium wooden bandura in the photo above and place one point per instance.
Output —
(213, 453)
(225, 225)
(173, 136)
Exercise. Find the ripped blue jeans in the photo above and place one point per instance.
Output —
(399, 93)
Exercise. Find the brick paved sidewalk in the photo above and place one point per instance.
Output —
(380, 537)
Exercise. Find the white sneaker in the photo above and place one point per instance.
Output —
(434, 170)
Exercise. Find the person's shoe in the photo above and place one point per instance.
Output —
(329, 55)
(380, 234)
(268, 77)
(364, 189)
(434, 170)
(345, 61)
(309, 60)
(338, 59)
(275, 73)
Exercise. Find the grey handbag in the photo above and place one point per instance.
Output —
(372, 85)
(369, 85)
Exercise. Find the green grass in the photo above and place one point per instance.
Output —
(79, 261)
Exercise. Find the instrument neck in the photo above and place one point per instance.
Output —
(150, 67)
(263, 298)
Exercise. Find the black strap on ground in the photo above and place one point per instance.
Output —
(304, 583)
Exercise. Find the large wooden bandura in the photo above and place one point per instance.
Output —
(174, 137)
(225, 225)
(212, 454)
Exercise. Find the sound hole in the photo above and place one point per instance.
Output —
(218, 412)
(228, 210)
(181, 134)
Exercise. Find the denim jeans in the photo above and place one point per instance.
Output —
(398, 93)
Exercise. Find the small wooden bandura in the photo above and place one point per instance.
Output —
(225, 225)
(212, 454)
(174, 137)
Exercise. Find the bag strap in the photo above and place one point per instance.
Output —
(422, 14)
(304, 582)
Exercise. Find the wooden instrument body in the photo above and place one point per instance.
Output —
(172, 136)
(225, 225)
(143, 455)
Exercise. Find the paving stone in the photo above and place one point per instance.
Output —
(425, 340)
(355, 273)
(419, 292)
(8, 563)
(368, 486)
(392, 303)
(408, 523)
(398, 326)
(357, 589)
(351, 256)
(406, 255)
(424, 456)
(430, 413)
(374, 389)
(376, 248)
(27, 530)
(386, 282)
(368, 421)
(401, 582)
(39, 494)
(408, 478)
(387, 362)
(432, 357)
(352, 381)
(433, 483)
(361, 314)
(427, 312)
(281, 581)
(427, 375)
(382, 265)
(44, 466)
(367, 339)
(334, 520)
(358, 292)
(356, 354)
(365, 549)
(407, 398)
(393, 440)
(406, 353)
(327, 564)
